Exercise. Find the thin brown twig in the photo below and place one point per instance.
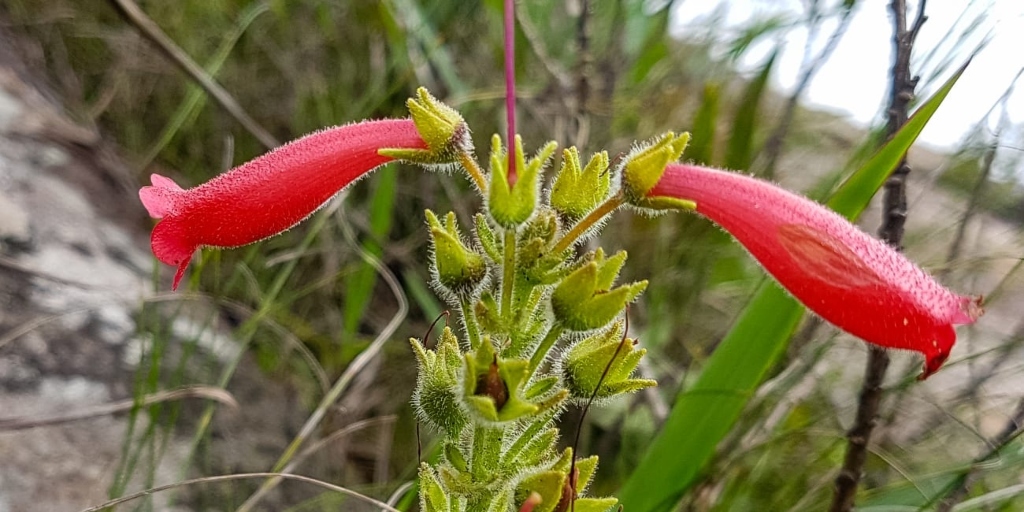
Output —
(150, 30)
(581, 123)
(893, 219)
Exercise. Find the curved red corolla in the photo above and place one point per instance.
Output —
(270, 194)
(849, 278)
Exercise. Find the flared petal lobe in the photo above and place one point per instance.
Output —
(849, 278)
(269, 194)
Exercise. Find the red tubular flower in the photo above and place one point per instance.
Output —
(270, 194)
(849, 278)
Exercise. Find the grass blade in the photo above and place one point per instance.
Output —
(702, 141)
(195, 96)
(849, 198)
(741, 141)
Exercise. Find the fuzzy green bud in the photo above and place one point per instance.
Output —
(436, 396)
(458, 269)
(576, 191)
(441, 127)
(512, 204)
(586, 365)
(585, 300)
(537, 263)
(645, 166)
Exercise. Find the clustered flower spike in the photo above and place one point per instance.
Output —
(846, 276)
(495, 402)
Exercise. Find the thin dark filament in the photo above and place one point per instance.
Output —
(583, 415)
(426, 337)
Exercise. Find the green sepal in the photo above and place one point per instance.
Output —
(488, 314)
(645, 166)
(595, 504)
(433, 497)
(459, 269)
(548, 484)
(584, 300)
(513, 374)
(501, 502)
(552, 483)
(436, 395)
(539, 449)
(669, 203)
(513, 457)
(537, 264)
(489, 242)
(486, 453)
(512, 206)
(458, 483)
(584, 364)
(454, 456)
(441, 127)
(541, 386)
(575, 191)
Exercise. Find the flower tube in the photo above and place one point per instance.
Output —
(847, 277)
(269, 194)
(279, 189)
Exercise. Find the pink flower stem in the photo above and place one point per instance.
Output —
(510, 85)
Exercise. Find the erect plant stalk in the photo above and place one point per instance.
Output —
(581, 227)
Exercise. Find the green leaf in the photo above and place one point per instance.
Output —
(741, 142)
(848, 200)
(702, 136)
(705, 413)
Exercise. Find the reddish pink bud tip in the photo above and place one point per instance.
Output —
(269, 194)
(849, 278)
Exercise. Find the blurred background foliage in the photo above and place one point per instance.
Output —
(598, 74)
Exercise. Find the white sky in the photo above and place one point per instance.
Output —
(854, 81)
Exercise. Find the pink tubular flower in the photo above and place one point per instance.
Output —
(270, 194)
(849, 278)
